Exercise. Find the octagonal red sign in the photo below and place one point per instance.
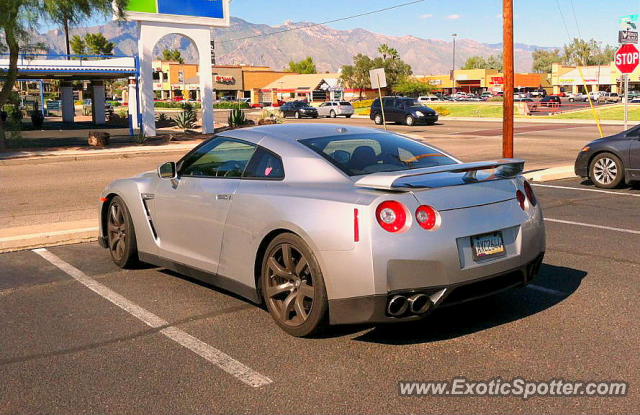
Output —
(627, 58)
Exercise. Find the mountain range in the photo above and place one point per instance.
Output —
(330, 48)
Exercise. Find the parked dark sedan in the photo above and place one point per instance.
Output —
(610, 160)
(402, 110)
(299, 109)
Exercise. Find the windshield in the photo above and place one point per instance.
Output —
(358, 154)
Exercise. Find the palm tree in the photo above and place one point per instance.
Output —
(387, 51)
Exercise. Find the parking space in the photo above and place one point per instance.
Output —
(68, 349)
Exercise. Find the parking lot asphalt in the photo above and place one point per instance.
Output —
(74, 340)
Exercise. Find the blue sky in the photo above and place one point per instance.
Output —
(537, 22)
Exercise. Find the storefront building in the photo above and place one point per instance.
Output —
(576, 79)
(303, 87)
(480, 80)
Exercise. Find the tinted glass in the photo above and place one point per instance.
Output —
(264, 165)
(345, 103)
(219, 158)
(358, 154)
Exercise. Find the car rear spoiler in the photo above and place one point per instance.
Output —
(505, 169)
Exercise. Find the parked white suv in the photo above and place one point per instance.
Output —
(335, 109)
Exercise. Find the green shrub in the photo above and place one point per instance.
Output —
(230, 105)
(496, 99)
(237, 118)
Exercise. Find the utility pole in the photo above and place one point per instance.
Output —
(453, 68)
(507, 120)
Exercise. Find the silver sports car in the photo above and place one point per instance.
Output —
(330, 224)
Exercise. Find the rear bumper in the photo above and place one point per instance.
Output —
(372, 308)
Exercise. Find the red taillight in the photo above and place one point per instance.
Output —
(529, 192)
(428, 217)
(356, 226)
(392, 216)
(104, 199)
(521, 199)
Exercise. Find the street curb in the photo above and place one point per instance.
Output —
(553, 173)
(75, 155)
(40, 240)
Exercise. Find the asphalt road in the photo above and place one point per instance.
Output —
(65, 349)
(38, 192)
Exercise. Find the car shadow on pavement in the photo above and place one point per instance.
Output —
(553, 285)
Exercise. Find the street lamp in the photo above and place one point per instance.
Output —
(453, 68)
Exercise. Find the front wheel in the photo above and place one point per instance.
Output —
(332, 114)
(121, 235)
(410, 121)
(296, 115)
(293, 287)
(606, 171)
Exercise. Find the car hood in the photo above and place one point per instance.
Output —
(422, 108)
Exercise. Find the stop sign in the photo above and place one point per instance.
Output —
(627, 58)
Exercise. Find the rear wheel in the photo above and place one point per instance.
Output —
(378, 119)
(121, 235)
(348, 116)
(293, 287)
(606, 171)
(296, 115)
(332, 114)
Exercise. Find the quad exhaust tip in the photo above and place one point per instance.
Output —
(419, 303)
(416, 304)
(397, 306)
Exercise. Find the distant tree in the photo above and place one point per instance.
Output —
(97, 44)
(78, 45)
(543, 60)
(173, 55)
(356, 76)
(412, 87)
(388, 52)
(587, 52)
(304, 66)
(479, 62)
(475, 62)
(20, 18)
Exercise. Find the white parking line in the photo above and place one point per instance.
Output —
(585, 190)
(213, 355)
(546, 290)
(588, 225)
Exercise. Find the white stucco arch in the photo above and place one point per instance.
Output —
(149, 35)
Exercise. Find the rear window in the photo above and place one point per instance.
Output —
(344, 103)
(359, 154)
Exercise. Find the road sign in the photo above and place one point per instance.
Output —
(378, 78)
(627, 36)
(627, 58)
(629, 22)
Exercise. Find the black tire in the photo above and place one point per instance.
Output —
(348, 116)
(378, 119)
(410, 121)
(121, 235)
(296, 115)
(332, 114)
(286, 286)
(606, 171)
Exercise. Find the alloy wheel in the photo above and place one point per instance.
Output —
(117, 231)
(605, 170)
(290, 285)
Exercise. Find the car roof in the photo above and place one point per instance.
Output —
(295, 132)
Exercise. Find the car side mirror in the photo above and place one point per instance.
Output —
(168, 170)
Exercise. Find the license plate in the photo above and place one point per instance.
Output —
(488, 245)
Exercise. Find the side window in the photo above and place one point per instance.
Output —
(264, 165)
(388, 102)
(221, 157)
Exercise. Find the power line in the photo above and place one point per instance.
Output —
(575, 18)
(323, 23)
(564, 22)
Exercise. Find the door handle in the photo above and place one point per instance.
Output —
(223, 197)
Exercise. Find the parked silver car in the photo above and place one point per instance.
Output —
(333, 109)
(330, 224)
